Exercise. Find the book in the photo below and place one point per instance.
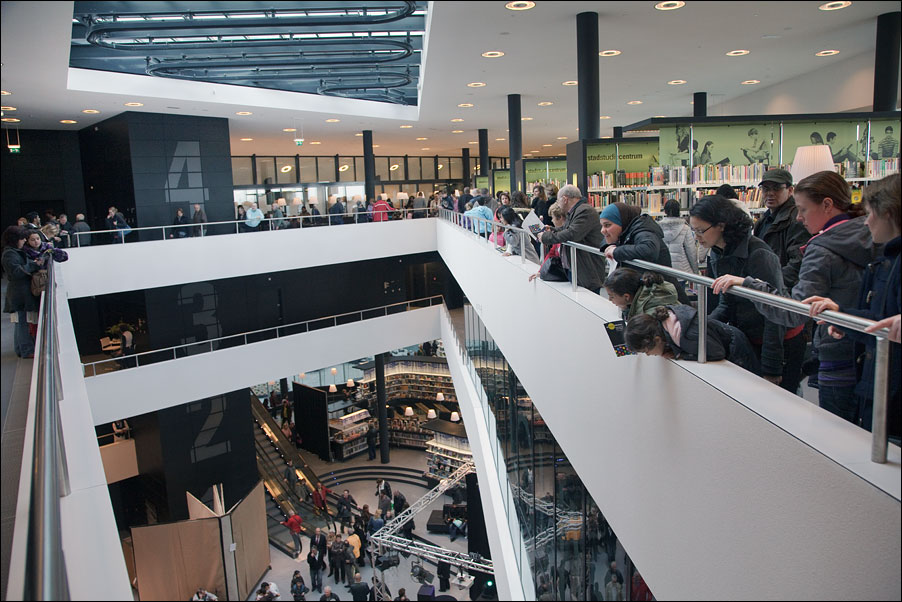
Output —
(533, 224)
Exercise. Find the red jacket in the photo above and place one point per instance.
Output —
(294, 523)
(380, 211)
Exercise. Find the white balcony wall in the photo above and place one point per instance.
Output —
(99, 270)
(703, 485)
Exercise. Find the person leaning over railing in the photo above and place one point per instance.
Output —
(482, 212)
(636, 293)
(878, 298)
(724, 229)
(509, 217)
(580, 226)
(19, 301)
(630, 234)
(833, 263)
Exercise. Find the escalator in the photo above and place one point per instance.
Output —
(273, 450)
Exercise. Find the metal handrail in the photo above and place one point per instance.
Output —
(45, 565)
(881, 377)
(433, 300)
(317, 220)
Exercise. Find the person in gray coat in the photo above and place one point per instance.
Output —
(79, 236)
(833, 263)
(679, 239)
(19, 300)
(581, 226)
(513, 238)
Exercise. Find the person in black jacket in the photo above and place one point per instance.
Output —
(465, 198)
(19, 300)
(878, 298)
(672, 332)
(181, 225)
(779, 226)
(724, 229)
(630, 234)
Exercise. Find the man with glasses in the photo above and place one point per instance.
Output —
(779, 226)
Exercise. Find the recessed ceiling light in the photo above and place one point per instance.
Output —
(634, 102)
(68, 121)
(535, 151)
(457, 131)
(406, 127)
(333, 120)
(441, 166)
(10, 120)
(7, 108)
(375, 146)
(134, 104)
(344, 168)
(476, 84)
(519, 5)
(285, 168)
(492, 54)
(677, 82)
(571, 82)
(751, 82)
(359, 134)
(738, 53)
(289, 129)
(91, 111)
(671, 5)
(246, 139)
(545, 103)
(456, 120)
(316, 142)
(465, 105)
(660, 116)
(473, 142)
(4, 93)
(609, 53)
(500, 139)
(826, 53)
(561, 137)
(834, 5)
(562, 154)
(422, 138)
(526, 119)
(547, 145)
(243, 113)
(602, 117)
(427, 148)
(394, 167)
(605, 136)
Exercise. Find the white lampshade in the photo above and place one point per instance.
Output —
(431, 415)
(455, 417)
(303, 375)
(333, 389)
(408, 411)
(334, 370)
(297, 201)
(351, 382)
(402, 196)
(440, 396)
(280, 202)
(810, 160)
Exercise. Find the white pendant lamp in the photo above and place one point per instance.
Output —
(333, 389)
(440, 396)
(431, 415)
(810, 160)
(351, 383)
(455, 417)
(409, 411)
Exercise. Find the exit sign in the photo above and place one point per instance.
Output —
(15, 151)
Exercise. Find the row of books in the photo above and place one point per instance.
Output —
(880, 168)
(705, 174)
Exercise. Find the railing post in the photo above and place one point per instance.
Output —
(573, 282)
(542, 246)
(878, 422)
(523, 243)
(703, 325)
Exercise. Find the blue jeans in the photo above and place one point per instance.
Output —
(22, 340)
(840, 401)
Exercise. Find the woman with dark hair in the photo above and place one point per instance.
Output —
(540, 204)
(636, 293)
(35, 248)
(878, 298)
(509, 217)
(678, 237)
(833, 263)
(518, 200)
(672, 332)
(19, 300)
(630, 234)
(504, 198)
(724, 229)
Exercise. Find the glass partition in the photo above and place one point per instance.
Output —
(570, 552)
(427, 168)
(413, 168)
(242, 171)
(308, 169)
(455, 165)
(382, 168)
(346, 170)
(325, 169)
(397, 173)
(286, 170)
(266, 170)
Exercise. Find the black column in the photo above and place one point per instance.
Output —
(700, 104)
(465, 159)
(618, 131)
(484, 153)
(886, 62)
(283, 387)
(369, 166)
(381, 409)
(587, 75)
(515, 138)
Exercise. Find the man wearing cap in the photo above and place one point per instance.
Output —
(779, 226)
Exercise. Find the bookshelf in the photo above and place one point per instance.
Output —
(447, 450)
(348, 434)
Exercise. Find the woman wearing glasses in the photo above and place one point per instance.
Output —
(724, 229)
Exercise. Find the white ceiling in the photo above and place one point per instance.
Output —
(540, 53)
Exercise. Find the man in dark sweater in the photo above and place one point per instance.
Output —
(359, 590)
